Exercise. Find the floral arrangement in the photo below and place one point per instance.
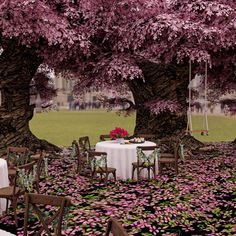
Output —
(118, 133)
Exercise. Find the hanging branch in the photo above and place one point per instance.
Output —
(127, 105)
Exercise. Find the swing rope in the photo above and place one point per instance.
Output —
(189, 114)
(189, 129)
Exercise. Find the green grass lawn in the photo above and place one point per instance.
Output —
(62, 127)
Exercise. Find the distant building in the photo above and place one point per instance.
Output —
(66, 100)
(64, 88)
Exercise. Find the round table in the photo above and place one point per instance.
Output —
(5, 233)
(4, 182)
(121, 156)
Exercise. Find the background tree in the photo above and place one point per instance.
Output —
(140, 45)
(147, 45)
(31, 33)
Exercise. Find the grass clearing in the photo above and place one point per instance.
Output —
(62, 127)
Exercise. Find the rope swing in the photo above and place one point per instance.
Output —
(205, 128)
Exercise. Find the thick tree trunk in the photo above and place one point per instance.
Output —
(18, 65)
(162, 82)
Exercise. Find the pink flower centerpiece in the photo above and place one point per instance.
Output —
(118, 133)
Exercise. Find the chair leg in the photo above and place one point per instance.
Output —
(36, 184)
(93, 174)
(101, 175)
(160, 168)
(138, 174)
(133, 169)
(7, 206)
(176, 169)
(14, 205)
(114, 174)
(106, 178)
(148, 173)
(154, 171)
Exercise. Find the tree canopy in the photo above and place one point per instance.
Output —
(103, 41)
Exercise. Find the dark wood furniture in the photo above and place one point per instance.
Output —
(104, 137)
(145, 161)
(115, 228)
(39, 169)
(16, 156)
(84, 144)
(80, 159)
(37, 200)
(23, 175)
(170, 154)
(98, 163)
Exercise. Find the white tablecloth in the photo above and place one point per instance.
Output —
(5, 233)
(4, 182)
(121, 156)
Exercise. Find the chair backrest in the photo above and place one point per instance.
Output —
(17, 156)
(39, 165)
(143, 157)
(104, 137)
(98, 160)
(75, 152)
(37, 200)
(77, 156)
(24, 178)
(172, 146)
(84, 143)
(167, 145)
(115, 228)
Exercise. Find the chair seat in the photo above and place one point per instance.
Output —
(167, 155)
(167, 160)
(8, 191)
(35, 157)
(142, 164)
(103, 170)
(12, 172)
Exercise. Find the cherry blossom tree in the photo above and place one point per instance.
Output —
(147, 45)
(32, 33)
(141, 45)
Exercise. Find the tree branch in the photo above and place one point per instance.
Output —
(127, 105)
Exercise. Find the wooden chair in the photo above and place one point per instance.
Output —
(145, 161)
(104, 137)
(170, 154)
(98, 163)
(23, 182)
(84, 144)
(39, 199)
(16, 156)
(81, 160)
(115, 228)
(39, 159)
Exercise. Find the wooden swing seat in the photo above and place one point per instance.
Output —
(199, 131)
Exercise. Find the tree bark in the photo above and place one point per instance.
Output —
(162, 82)
(18, 65)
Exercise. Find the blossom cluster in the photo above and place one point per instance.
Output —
(118, 133)
(158, 106)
